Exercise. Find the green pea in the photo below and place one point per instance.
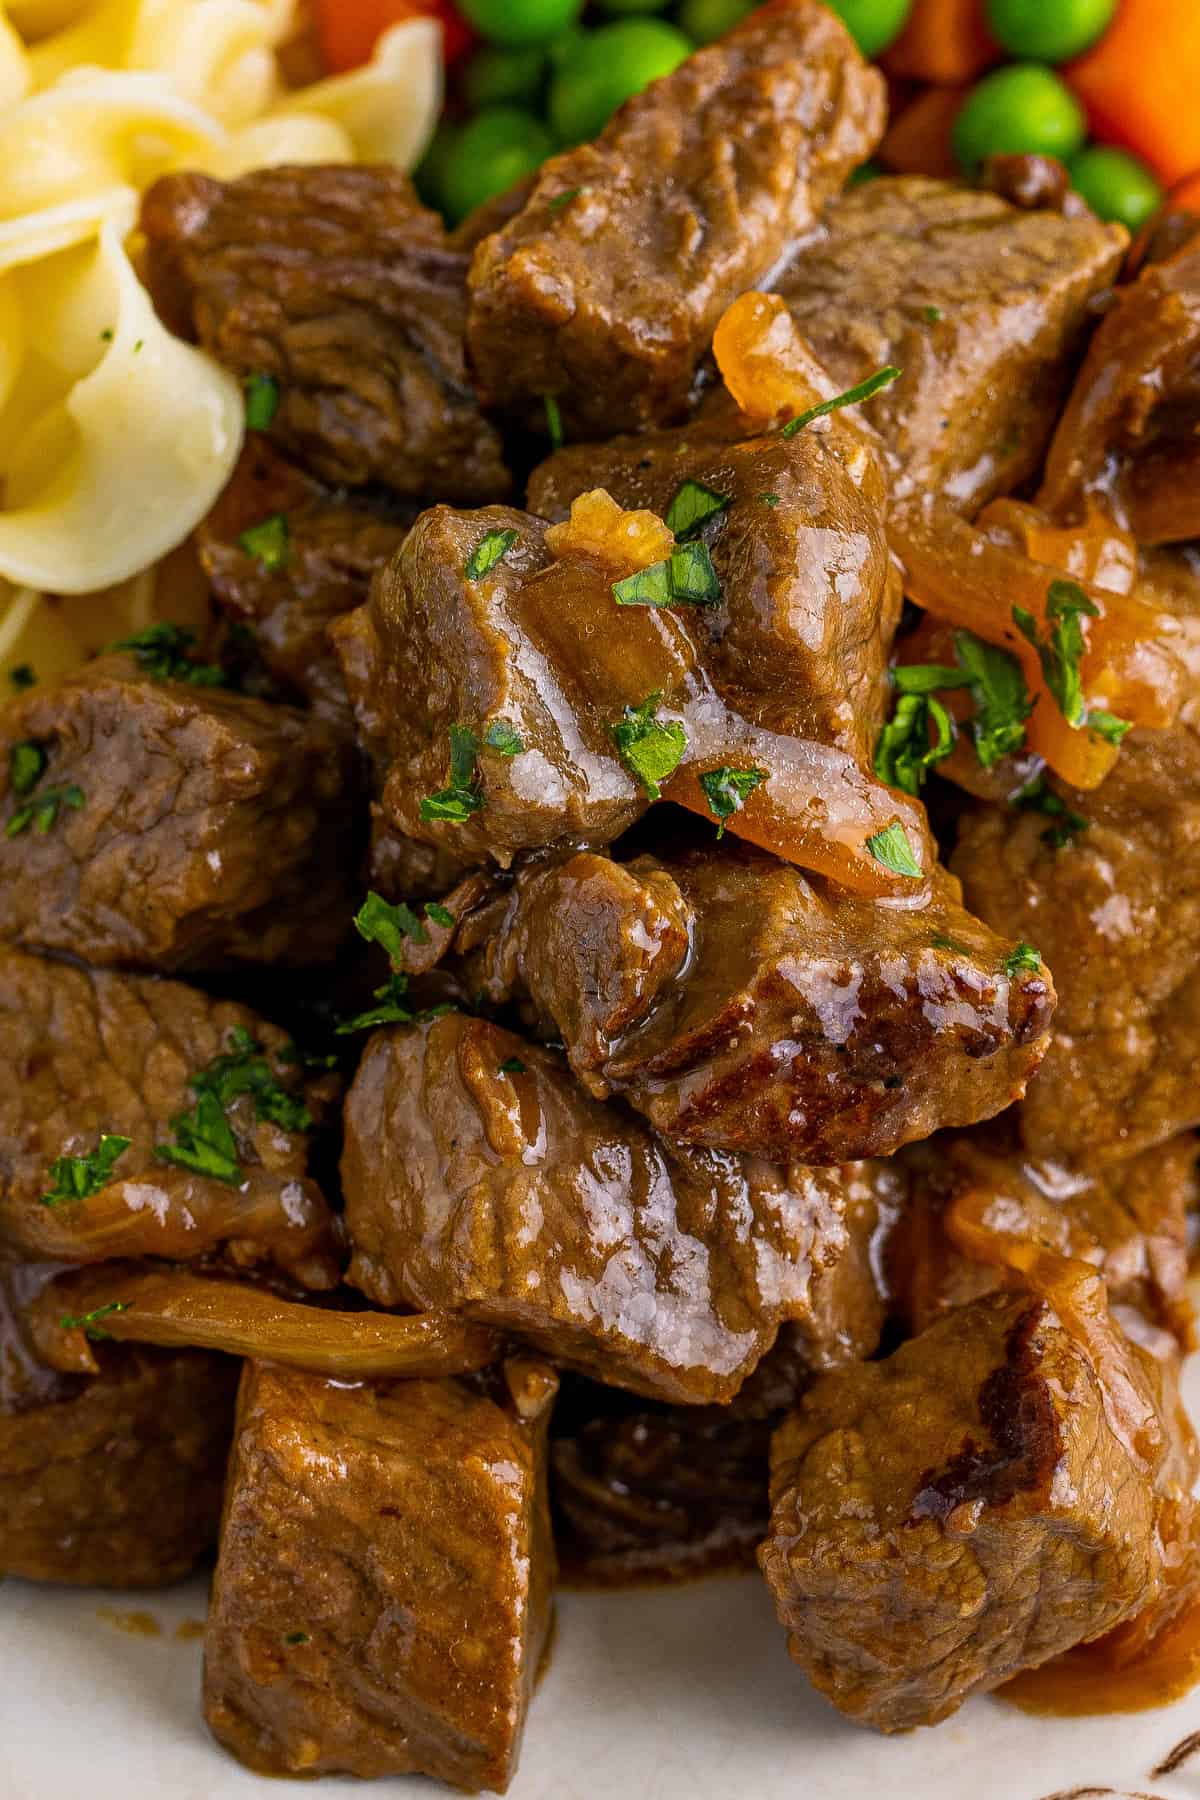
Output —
(605, 68)
(1048, 30)
(1116, 185)
(625, 7)
(873, 24)
(518, 22)
(1021, 109)
(491, 152)
(497, 76)
(705, 21)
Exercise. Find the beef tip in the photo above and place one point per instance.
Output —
(334, 547)
(741, 1006)
(852, 1300)
(383, 1590)
(142, 1118)
(1108, 890)
(498, 621)
(811, 597)
(338, 285)
(1004, 1487)
(479, 1180)
(113, 1480)
(1129, 1220)
(985, 308)
(605, 288)
(169, 824)
(1128, 438)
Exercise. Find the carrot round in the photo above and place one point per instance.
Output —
(347, 30)
(944, 41)
(919, 141)
(1140, 84)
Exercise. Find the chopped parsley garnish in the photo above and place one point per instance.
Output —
(554, 424)
(461, 796)
(268, 543)
(649, 750)
(381, 923)
(26, 766)
(42, 811)
(906, 750)
(921, 732)
(769, 499)
(863, 391)
(391, 1008)
(205, 1143)
(512, 1065)
(79, 1177)
(492, 548)
(1023, 960)
(931, 314)
(89, 1322)
(892, 848)
(164, 653)
(440, 915)
(686, 578)
(1107, 725)
(22, 677)
(1060, 654)
(1002, 702)
(262, 401)
(106, 336)
(296, 1637)
(1036, 796)
(501, 738)
(727, 791)
(948, 943)
(693, 506)
(565, 198)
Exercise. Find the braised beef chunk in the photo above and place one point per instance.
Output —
(1127, 439)
(382, 1594)
(169, 824)
(334, 547)
(1112, 905)
(604, 289)
(1129, 1220)
(1004, 1487)
(338, 286)
(480, 1180)
(519, 685)
(983, 306)
(114, 1480)
(141, 1118)
(741, 1006)
(811, 599)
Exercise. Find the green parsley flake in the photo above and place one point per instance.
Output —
(501, 737)
(512, 1065)
(79, 1177)
(892, 848)
(727, 791)
(164, 653)
(927, 678)
(1002, 701)
(931, 314)
(919, 735)
(1061, 653)
(948, 943)
(461, 796)
(686, 578)
(1037, 796)
(296, 1637)
(26, 766)
(390, 1008)
(262, 401)
(565, 198)
(22, 677)
(492, 548)
(863, 391)
(649, 750)
(693, 506)
(1023, 960)
(769, 499)
(440, 915)
(205, 1143)
(43, 810)
(381, 923)
(1107, 725)
(89, 1322)
(554, 424)
(268, 543)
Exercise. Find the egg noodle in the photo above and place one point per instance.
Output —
(115, 437)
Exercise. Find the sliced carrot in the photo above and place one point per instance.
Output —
(944, 41)
(347, 29)
(1141, 81)
(918, 141)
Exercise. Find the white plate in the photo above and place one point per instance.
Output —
(670, 1694)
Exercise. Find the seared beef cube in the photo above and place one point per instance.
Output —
(334, 547)
(1113, 905)
(971, 1507)
(113, 1480)
(383, 1591)
(141, 1118)
(342, 289)
(985, 308)
(605, 288)
(167, 824)
(741, 1006)
(1129, 1220)
(479, 1180)
(811, 599)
